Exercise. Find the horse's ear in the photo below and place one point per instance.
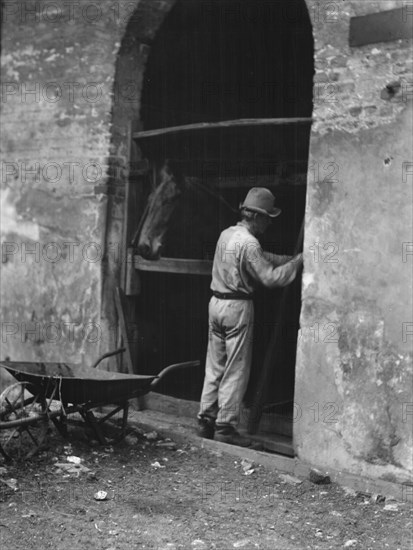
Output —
(172, 170)
(163, 169)
(175, 171)
(160, 173)
(167, 170)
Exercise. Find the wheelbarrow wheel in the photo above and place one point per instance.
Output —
(23, 421)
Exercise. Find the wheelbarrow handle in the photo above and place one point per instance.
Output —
(171, 368)
(109, 354)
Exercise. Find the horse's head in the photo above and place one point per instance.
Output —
(161, 204)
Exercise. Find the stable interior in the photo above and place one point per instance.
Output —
(220, 61)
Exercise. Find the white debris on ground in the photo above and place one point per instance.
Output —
(247, 466)
(151, 436)
(391, 508)
(157, 465)
(287, 478)
(245, 543)
(100, 495)
(198, 544)
(74, 459)
(73, 466)
(350, 543)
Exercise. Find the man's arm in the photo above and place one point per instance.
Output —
(276, 259)
(262, 270)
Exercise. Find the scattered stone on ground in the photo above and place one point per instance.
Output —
(290, 479)
(247, 466)
(319, 478)
(100, 495)
(151, 436)
(391, 507)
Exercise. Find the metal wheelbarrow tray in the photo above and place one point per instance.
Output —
(53, 391)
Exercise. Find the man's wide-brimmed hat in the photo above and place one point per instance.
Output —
(261, 200)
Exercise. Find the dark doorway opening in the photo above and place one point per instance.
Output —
(218, 61)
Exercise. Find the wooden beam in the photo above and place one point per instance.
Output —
(139, 402)
(131, 153)
(299, 179)
(123, 327)
(221, 124)
(174, 265)
(133, 283)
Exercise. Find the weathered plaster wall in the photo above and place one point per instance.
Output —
(63, 170)
(354, 365)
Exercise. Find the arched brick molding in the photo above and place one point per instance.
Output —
(134, 47)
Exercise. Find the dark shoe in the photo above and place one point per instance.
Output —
(206, 428)
(232, 437)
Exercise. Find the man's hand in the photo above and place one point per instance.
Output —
(298, 258)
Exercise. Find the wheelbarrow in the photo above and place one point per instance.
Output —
(54, 391)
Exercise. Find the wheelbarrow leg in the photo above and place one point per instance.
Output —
(124, 419)
(61, 424)
(90, 420)
(124, 407)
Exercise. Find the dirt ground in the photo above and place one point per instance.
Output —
(161, 495)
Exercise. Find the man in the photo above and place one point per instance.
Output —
(239, 266)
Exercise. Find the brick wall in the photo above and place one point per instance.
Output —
(350, 91)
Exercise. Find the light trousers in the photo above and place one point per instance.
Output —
(228, 361)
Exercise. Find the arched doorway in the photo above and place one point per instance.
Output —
(214, 61)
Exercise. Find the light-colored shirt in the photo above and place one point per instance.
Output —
(240, 263)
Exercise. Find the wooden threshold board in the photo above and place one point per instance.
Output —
(274, 443)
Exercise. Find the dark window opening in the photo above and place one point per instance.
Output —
(214, 60)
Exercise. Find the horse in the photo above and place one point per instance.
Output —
(185, 210)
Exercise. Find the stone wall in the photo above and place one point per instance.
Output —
(353, 379)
